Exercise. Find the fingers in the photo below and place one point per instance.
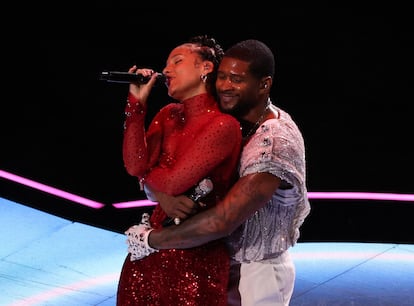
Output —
(179, 208)
(143, 71)
(183, 212)
(183, 216)
(139, 90)
(132, 69)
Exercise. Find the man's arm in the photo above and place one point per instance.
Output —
(247, 195)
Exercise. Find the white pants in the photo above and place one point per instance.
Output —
(262, 284)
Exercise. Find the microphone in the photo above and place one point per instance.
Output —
(201, 190)
(204, 187)
(126, 77)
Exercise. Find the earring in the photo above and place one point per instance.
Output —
(265, 85)
(204, 78)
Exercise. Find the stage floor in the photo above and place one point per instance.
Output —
(48, 260)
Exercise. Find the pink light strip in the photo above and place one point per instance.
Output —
(144, 203)
(139, 203)
(311, 195)
(351, 255)
(51, 190)
(361, 196)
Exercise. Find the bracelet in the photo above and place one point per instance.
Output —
(137, 239)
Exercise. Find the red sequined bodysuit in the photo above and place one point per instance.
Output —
(185, 143)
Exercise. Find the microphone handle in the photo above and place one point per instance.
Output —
(200, 191)
(126, 77)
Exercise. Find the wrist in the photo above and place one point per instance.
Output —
(152, 239)
(147, 243)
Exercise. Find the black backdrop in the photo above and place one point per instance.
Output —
(344, 74)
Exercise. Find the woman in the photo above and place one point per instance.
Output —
(187, 140)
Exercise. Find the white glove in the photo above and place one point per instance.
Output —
(137, 239)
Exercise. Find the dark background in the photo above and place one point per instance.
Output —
(344, 74)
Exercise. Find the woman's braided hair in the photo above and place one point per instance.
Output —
(209, 50)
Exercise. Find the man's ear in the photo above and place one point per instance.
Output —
(266, 83)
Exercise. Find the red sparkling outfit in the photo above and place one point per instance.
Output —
(185, 143)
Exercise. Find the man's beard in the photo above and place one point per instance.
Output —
(239, 110)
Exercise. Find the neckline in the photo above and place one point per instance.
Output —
(198, 105)
(258, 122)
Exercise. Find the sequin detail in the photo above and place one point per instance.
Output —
(176, 277)
(275, 227)
(198, 141)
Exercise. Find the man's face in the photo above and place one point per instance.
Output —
(237, 89)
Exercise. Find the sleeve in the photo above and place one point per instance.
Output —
(217, 142)
(277, 148)
(140, 148)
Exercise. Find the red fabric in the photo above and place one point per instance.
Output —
(185, 143)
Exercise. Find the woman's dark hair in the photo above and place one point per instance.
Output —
(209, 50)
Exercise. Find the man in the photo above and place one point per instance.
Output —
(262, 213)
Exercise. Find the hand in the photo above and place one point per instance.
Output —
(142, 91)
(174, 206)
(137, 239)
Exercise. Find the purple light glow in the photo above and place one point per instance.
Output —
(314, 255)
(375, 196)
(51, 190)
(312, 195)
(139, 203)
